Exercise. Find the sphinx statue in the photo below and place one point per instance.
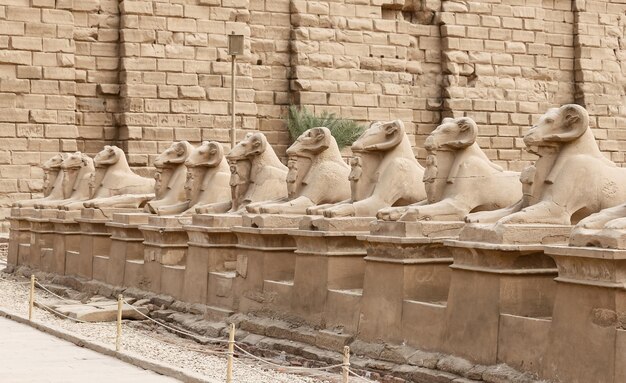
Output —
(256, 175)
(52, 182)
(170, 178)
(459, 178)
(77, 174)
(317, 175)
(385, 174)
(115, 184)
(206, 182)
(569, 159)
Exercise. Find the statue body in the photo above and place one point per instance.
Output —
(569, 160)
(52, 182)
(259, 176)
(207, 179)
(116, 185)
(170, 183)
(387, 174)
(318, 175)
(459, 178)
(78, 171)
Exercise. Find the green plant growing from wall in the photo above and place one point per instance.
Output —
(345, 131)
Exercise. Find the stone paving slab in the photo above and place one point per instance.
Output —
(30, 356)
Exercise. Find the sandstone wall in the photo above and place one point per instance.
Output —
(75, 75)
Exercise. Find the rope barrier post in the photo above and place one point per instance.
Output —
(231, 354)
(118, 337)
(31, 297)
(346, 365)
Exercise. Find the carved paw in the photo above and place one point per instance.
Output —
(391, 213)
(616, 224)
(413, 215)
(340, 211)
(270, 209)
(314, 210)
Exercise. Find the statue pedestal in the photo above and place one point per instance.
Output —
(19, 235)
(606, 238)
(329, 268)
(95, 241)
(407, 276)
(211, 260)
(497, 270)
(165, 254)
(587, 341)
(42, 240)
(265, 262)
(66, 240)
(127, 251)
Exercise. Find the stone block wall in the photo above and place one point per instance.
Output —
(76, 75)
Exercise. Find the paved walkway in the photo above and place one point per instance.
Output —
(30, 356)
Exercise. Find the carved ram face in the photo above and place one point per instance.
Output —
(452, 134)
(563, 124)
(252, 145)
(108, 156)
(176, 154)
(73, 161)
(380, 136)
(55, 162)
(209, 153)
(313, 141)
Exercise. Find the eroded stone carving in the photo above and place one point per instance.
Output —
(459, 177)
(208, 178)
(78, 170)
(385, 175)
(170, 179)
(317, 174)
(569, 159)
(52, 182)
(258, 175)
(116, 185)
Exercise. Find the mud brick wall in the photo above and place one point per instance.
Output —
(76, 75)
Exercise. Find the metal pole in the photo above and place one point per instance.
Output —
(346, 364)
(31, 297)
(231, 353)
(233, 128)
(118, 337)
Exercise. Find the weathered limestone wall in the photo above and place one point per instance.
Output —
(78, 75)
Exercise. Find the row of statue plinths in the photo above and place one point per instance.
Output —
(461, 256)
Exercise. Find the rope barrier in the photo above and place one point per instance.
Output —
(50, 292)
(73, 319)
(312, 371)
(287, 367)
(261, 372)
(215, 340)
(359, 377)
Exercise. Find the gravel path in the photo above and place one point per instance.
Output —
(155, 344)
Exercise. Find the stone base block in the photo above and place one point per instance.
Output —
(522, 341)
(172, 280)
(271, 220)
(422, 324)
(72, 263)
(343, 308)
(343, 224)
(134, 274)
(426, 229)
(100, 267)
(516, 234)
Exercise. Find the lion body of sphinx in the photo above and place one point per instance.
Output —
(170, 179)
(388, 173)
(569, 161)
(321, 174)
(459, 177)
(115, 185)
(257, 175)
